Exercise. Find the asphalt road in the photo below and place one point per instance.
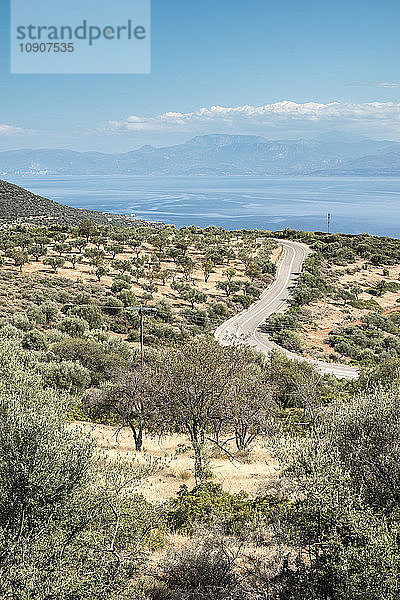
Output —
(243, 327)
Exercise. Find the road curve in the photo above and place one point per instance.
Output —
(244, 326)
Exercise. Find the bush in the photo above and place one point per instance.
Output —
(208, 502)
(120, 284)
(127, 297)
(73, 326)
(9, 331)
(91, 314)
(34, 340)
(219, 310)
(289, 340)
(21, 321)
(204, 569)
(197, 317)
(65, 375)
(370, 304)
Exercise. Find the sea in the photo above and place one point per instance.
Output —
(356, 204)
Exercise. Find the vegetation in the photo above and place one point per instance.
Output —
(18, 205)
(82, 516)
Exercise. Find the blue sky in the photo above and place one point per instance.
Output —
(293, 68)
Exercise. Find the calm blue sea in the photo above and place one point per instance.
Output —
(357, 204)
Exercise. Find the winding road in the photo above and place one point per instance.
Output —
(244, 326)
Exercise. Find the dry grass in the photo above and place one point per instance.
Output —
(234, 475)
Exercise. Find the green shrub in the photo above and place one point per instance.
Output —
(208, 502)
(370, 304)
(65, 375)
(73, 326)
(34, 340)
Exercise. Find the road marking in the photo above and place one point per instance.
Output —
(252, 312)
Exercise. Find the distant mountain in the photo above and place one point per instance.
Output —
(332, 153)
(18, 205)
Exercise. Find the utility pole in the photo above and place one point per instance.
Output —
(140, 309)
(329, 222)
(141, 338)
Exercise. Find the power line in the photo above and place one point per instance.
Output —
(140, 309)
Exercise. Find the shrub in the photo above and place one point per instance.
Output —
(208, 502)
(127, 297)
(34, 340)
(196, 316)
(73, 326)
(119, 284)
(91, 314)
(12, 332)
(66, 375)
(21, 321)
(202, 569)
(370, 304)
(289, 340)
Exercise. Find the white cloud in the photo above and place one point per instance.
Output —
(375, 115)
(377, 84)
(11, 130)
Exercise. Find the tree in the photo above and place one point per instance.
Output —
(70, 526)
(86, 229)
(253, 270)
(101, 271)
(73, 259)
(207, 266)
(122, 266)
(20, 257)
(95, 256)
(127, 399)
(37, 251)
(252, 410)
(164, 275)
(229, 287)
(190, 385)
(193, 296)
(114, 249)
(187, 265)
(79, 243)
(60, 248)
(229, 274)
(55, 262)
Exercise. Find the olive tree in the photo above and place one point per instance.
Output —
(55, 262)
(345, 481)
(71, 525)
(190, 385)
(128, 399)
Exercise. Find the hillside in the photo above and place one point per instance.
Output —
(18, 205)
(338, 154)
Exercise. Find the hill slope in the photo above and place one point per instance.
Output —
(18, 205)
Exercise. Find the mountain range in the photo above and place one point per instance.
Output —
(219, 154)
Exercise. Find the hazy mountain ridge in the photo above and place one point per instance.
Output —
(219, 154)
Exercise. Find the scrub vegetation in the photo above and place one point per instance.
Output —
(194, 471)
